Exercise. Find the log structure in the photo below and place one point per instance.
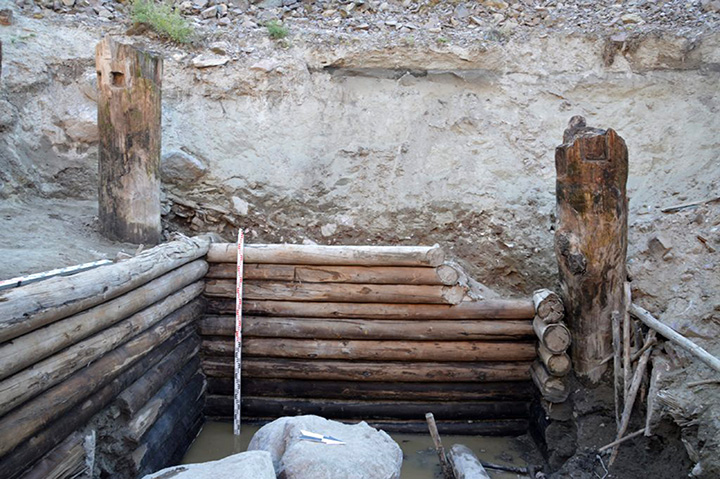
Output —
(553, 341)
(591, 239)
(383, 334)
(129, 112)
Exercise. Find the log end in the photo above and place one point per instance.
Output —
(448, 274)
(435, 256)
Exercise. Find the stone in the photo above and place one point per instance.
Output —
(6, 17)
(178, 167)
(209, 12)
(367, 454)
(80, 123)
(207, 60)
(659, 245)
(240, 206)
(710, 5)
(631, 18)
(246, 465)
(68, 3)
(267, 4)
(328, 229)
(200, 4)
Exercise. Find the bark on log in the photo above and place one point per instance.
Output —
(63, 424)
(32, 416)
(369, 371)
(556, 364)
(465, 464)
(591, 238)
(365, 410)
(30, 307)
(434, 351)
(555, 337)
(129, 112)
(444, 274)
(339, 292)
(41, 343)
(486, 309)
(330, 255)
(553, 389)
(29, 382)
(70, 459)
(548, 306)
(309, 388)
(130, 401)
(323, 328)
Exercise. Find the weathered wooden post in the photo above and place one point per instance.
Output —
(591, 238)
(129, 83)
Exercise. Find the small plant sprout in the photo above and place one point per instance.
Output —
(276, 30)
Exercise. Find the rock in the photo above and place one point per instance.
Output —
(240, 206)
(246, 465)
(495, 4)
(68, 3)
(710, 5)
(328, 229)
(461, 12)
(178, 167)
(631, 18)
(220, 48)
(659, 245)
(105, 13)
(208, 60)
(200, 4)
(267, 4)
(6, 17)
(265, 65)
(367, 454)
(80, 124)
(209, 12)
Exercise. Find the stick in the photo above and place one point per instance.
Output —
(674, 209)
(621, 440)
(675, 337)
(703, 382)
(238, 334)
(616, 365)
(644, 348)
(446, 469)
(500, 467)
(627, 365)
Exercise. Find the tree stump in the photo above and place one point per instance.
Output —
(129, 110)
(591, 238)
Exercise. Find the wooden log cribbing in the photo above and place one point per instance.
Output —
(548, 306)
(591, 239)
(445, 274)
(310, 388)
(33, 415)
(65, 422)
(386, 329)
(553, 389)
(131, 400)
(29, 382)
(430, 256)
(174, 448)
(71, 458)
(486, 309)
(30, 348)
(139, 424)
(556, 364)
(370, 371)
(554, 336)
(338, 292)
(371, 350)
(363, 410)
(465, 464)
(30, 307)
(129, 111)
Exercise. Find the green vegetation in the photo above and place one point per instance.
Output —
(442, 40)
(276, 30)
(162, 19)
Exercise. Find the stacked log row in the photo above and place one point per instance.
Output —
(382, 334)
(70, 345)
(553, 362)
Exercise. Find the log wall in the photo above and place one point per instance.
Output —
(381, 334)
(99, 370)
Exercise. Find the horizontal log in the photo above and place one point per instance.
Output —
(332, 328)
(548, 306)
(30, 348)
(444, 274)
(553, 389)
(130, 401)
(63, 423)
(370, 371)
(338, 292)
(172, 451)
(30, 307)
(29, 382)
(465, 464)
(68, 460)
(329, 255)
(32, 416)
(365, 410)
(308, 388)
(372, 350)
(554, 336)
(556, 364)
(485, 309)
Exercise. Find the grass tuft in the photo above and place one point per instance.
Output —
(276, 30)
(162, 19)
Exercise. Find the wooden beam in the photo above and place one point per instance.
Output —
(465, 463)
(548, 306)
(556, 364)
(554, 336)
(69, 459)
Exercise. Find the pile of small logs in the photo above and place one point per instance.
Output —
(553, 363)
(358, 332)
(70, 345)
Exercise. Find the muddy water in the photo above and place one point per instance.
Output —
(420, 460)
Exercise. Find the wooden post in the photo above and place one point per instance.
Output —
(591, 238)
(129, 83)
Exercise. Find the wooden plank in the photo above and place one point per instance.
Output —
(444, 274)
(485, 309)
(30, 307)
(370, 371)
(29, 382)
(371, 350)
(330, 255)
(440, 391)
(338, 292)
(366, 410)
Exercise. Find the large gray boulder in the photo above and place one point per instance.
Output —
(246, 465)
(366, 454)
